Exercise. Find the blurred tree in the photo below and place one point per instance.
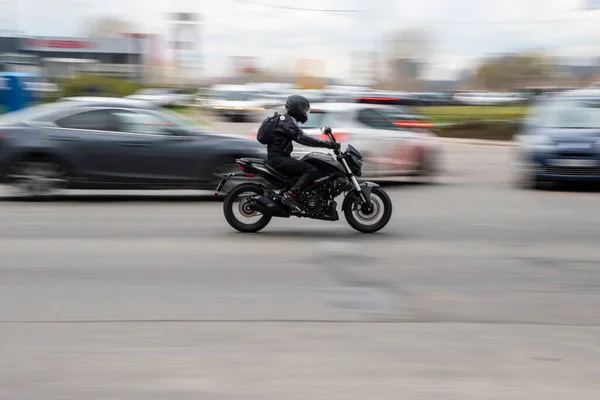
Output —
(109, 27)
(513, 72)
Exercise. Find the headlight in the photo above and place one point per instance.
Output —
(356, 165)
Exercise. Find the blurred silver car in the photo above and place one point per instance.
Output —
(394, 140)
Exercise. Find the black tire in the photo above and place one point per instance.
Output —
(533, 184)
(526, 180)
(383, 201)
(38, 177)
(228, 205)
(434, 162)
(524, 176)
(430, 168)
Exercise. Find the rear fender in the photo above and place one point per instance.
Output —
(225, 178)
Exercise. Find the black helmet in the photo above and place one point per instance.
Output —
(298, 107)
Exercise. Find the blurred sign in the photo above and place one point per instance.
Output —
(185, 38)
(185, 32)
(78, 45)
(61, 44)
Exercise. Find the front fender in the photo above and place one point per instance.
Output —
(365, 187)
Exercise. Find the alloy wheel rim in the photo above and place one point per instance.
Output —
(38, 177)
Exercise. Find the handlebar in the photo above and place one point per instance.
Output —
(329, 134)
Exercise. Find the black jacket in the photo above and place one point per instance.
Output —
(287, 132)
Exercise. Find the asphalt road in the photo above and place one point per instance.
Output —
(474, 291)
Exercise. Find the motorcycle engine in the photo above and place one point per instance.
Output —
(316, 202)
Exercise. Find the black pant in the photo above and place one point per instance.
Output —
(293, 167)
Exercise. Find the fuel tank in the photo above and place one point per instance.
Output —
(324, 162)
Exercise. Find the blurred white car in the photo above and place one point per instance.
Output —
(235, 102)
(270, 99)
(488, 99)
(313, 95)
(393, 140)
(163, 97)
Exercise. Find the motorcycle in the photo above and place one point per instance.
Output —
(366, 206)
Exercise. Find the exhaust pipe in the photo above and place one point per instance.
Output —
(266, 206)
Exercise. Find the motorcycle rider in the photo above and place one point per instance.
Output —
(280, 148)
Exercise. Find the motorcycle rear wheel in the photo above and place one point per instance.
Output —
(229, 206)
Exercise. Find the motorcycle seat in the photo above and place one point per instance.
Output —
(262, 163)
(276, 172)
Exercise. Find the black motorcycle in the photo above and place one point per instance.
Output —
(366, 206)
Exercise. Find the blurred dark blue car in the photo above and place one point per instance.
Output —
(560, 140)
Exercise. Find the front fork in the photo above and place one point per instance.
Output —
(354, 181)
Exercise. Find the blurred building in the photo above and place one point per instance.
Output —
(133, 56)
(64, 56)
(67, 56)
(11, 60)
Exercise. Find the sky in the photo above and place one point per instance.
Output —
(460, 31)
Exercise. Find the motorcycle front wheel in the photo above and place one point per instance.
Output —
(237, 213)
(369, 221)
